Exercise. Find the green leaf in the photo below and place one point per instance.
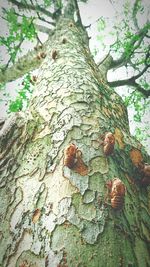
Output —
(22, 99)
(137, 118)
(2, 86)
(101, 24)
(47, 3)
(16, 105)
(27, 28)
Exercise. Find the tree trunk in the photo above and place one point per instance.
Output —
(54, 215)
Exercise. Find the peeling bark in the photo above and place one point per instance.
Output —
(52, 215)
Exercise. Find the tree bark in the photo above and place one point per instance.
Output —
(52, 215)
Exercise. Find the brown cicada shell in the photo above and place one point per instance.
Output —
(64, 40)
(38, 56)
(54, 54)
(42, 54)
(70, 155)
(109, 142)
(34, 78)
(71, 24)
(144, 168)
(116, 192)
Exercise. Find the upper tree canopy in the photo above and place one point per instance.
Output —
(26, 20)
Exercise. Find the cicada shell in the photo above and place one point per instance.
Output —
(42, 55)
(71, 24)
(117, 202)
(145, 181)
(34, 78)
(70, 155)
(64, 40)
(144, 169)
(109, 142)
(54, 54)
(117, 193)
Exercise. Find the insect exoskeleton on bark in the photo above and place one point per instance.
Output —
(70, 155)
(117, 191)
(109, 142)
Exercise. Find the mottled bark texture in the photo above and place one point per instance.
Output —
(52, 215)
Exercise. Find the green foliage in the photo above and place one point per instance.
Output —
(19, 30)
(16, 105)
(95, 51)
(128, 42)
(141, 106)
(4, 95)
(2, 86)
(101, 26)
(22, 99)
(59, 3)
(124, 32)
(128, 39)
(27, 28)
(47, 3)
(141, 134)
(136, 99)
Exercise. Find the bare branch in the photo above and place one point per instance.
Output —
(36, 8)
(88, 26)
(131, 82)
(43, 19)
(104, 64)
(141, 73)
(42, 28)
(57, 10)
(146, 93)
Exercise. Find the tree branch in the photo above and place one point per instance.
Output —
(27, 63)
(104, 65)
(38, 16)
(134, 13)
(141, 73)
(36, 8)
(38, 27)
(131, 82)
(10, 59)
(42, 28)
(57, 10)
(43, 19)
(77, 12)
(124, 59)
